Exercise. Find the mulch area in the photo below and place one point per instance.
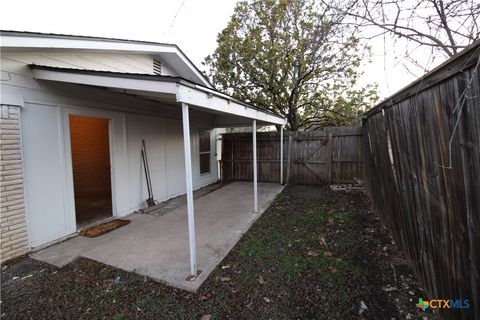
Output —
(314, 254)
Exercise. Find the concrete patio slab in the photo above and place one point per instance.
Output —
(157, 246)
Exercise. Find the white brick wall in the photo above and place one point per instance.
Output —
(13, 238)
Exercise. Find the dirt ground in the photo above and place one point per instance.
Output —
(314, 254)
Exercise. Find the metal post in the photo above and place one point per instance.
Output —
(255, 194)
(281, 154)
(188, 177)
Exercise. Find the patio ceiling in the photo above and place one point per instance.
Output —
(228, 111)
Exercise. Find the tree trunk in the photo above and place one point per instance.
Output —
(293, 121)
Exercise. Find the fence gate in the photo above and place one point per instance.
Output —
(311, 158)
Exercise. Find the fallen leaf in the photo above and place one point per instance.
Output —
(363, 307)
(332, 269)
(261, 280)
(389, 288)
(327, 254)
(323, 242)
(206, 317)
(202, 298)
(313, 253)
(225, 279)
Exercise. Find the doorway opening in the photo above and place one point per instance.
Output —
(89, 139)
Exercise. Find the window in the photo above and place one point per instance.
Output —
(205, 152)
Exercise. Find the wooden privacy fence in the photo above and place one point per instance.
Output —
(333, 155)
(422, 171)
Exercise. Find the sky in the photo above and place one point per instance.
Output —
(191, 24)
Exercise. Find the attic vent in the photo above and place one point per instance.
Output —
(157, 66)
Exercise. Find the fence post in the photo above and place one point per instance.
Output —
(329, 157)
(289, 159)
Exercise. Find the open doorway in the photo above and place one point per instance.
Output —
(91, 169)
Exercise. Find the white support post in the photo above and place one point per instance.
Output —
(255, 191)
(188, 176)
(281, 154)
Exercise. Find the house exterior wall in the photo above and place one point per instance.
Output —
(49, 195)
(14, 240)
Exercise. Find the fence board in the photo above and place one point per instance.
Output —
(333, 155)
(430, 197)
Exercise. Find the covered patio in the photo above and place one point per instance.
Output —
(158, 246)
(166, 248)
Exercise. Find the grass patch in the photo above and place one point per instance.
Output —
(296, 262)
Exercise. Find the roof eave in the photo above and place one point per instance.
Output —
(29, 40)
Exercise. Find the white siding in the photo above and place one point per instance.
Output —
(175, 158)
(168, 71)
(47, 156)
(114, 62)
(44, 181)
(153, 131)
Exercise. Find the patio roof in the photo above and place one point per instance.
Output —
(167, 89)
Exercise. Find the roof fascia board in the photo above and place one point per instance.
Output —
(32, 42)
(106, 81)
(214, 101)
(224, 96)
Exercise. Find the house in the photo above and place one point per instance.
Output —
(74, 113)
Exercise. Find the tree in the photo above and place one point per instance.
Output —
(444, 27)
(294, 58)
